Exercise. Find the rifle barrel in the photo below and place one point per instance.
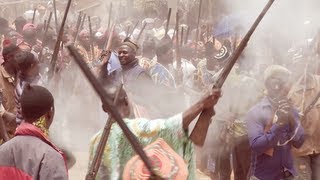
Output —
(77, 27)
(58, 42)
(234, 57)
(168, 21)
(140, 33)
(55, 15)
(109, 18)
(91, 38)
(44, 35)
(206, 114)
(177, 42)
(94, 168)
(34, 15)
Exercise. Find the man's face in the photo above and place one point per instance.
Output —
(166, 58)
(126, 54)
(32, 71)
(278, 87)
(85, 39)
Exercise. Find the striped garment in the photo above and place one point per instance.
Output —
(18, 92)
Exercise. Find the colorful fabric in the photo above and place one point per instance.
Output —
(159, 74)
(87, 55)
(41, 124)
(118, 150)
(166, 162)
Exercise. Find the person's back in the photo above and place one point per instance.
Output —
(29, 157)
(30, 154)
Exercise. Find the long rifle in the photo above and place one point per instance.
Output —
(78, 27)
(311, 105)
(58, 42)
(127, 31)
(181, 37)
(134, 27)
(112, 109)
(83, 20)
(168, 22)
(198, 24)
(34, 15)
(187, 35)
(55, 15)
(178, 73)
(142, 29)
(109, 18)
(178, 57)
(44, 35)
(91, 38)
(95, 165)
(205, 116)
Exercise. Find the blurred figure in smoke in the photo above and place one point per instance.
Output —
(165, 56)
(9, 70)
(84, 47)
(273, 127)
(19, 24)
(4, 26)
(28, 73)
(303, 92)
(30, 41)
(8, 32)
(160, 75)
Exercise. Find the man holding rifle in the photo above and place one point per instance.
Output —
(174, 132)
(273, 127)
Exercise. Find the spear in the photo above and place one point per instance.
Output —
(58, 42)
(91, 38)
(95, 165)
(111, 108)
(199, 132)
(168, 22)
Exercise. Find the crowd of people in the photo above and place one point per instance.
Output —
(265, 119)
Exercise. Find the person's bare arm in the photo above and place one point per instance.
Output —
(205, 103)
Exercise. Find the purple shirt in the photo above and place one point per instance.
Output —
(264, 166)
